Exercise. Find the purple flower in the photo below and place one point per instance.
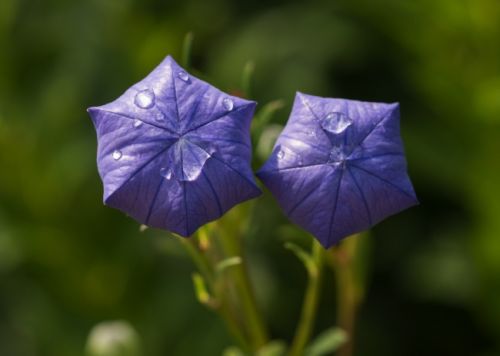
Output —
(339, 166)
(173, 151)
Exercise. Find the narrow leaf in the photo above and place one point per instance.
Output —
(228, 262)
(200, 289)
(273, 348)
(302, 255)
(233, 351)
(246, 78)
(187, 46)
(327, 342)
(266, 114)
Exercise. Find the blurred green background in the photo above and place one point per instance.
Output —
(68, 263)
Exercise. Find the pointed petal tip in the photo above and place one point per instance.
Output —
(394, 106)
(299, 94)
(92, 110)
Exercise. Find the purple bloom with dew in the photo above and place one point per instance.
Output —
(173, 151)
(339, 166)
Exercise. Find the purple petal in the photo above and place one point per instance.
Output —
(338, 167)
(173, 151)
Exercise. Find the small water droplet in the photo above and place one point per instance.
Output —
(312, 133)
(145, 99)
(336, 122)
(337, 154)
(183, 76)
(166, 173)
(137, 123)
(228, 104)
(117, 154)
(281, 154)
(160, 117)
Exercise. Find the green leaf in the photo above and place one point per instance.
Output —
(266, 114)
(327, 342)
(200, 289)
(273, 348)
(233, 351)
(304, 256)
(228, 262)
(246, 78)
(266, 139)
(187, 46)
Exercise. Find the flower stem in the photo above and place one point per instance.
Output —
(222, 306)
(252, 317)
(349, 289)
(310, 304)
(187, 46)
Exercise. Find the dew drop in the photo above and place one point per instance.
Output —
(336, 122)
(145, 99)
(337, 154)
(137, 123)
(228, 104)
(166, 173)
(117, 154)
(281, 154)
(160, 117)
(183, 76)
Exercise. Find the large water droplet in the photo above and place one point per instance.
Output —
(191, 160)
(228, 104)
(137, 123)
(281, 154)
(336, 122)
(166, 173)
(183, 76)
(117, 154)
(145, 99)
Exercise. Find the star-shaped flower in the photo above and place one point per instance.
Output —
(339, 167)
(173, 151)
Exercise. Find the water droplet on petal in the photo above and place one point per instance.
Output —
(337, 154)
(166, 173)
(281, 154)
(117, 154)
(183, 76)
(145, 99)
(193, 160)
(228, 104)
(160, 117)
(336, 122)
(137, 123)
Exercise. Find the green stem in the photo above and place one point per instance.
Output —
(239, 276)
(187, 46)
(246, 78)
(348, 290)
(227, 315)
(310, 304)
(198, 258)
(222, 306)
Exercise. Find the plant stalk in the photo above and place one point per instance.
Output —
(252, 317)
(349, 290)
(310, 304)
(222, 306)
